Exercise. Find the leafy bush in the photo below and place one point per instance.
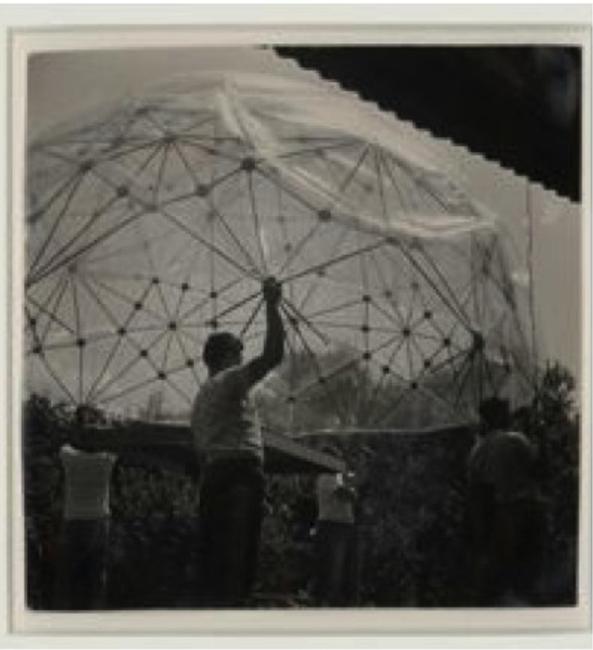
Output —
(45, 427)
(154, 530)
(554, 424)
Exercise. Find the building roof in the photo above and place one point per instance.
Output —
(170, 443)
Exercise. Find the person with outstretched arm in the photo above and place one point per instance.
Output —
(229, 445)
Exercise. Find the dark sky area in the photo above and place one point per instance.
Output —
(520, 106)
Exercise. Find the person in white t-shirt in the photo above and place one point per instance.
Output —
(228, 442)
(82, 556)
(335, 539)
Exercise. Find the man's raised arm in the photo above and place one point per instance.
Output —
(273, 351)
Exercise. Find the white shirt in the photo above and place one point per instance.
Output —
(224, 419)
(334, 503)
(86, 494)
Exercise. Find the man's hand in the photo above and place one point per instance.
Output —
(272, 290)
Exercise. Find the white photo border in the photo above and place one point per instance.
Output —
(33, 29)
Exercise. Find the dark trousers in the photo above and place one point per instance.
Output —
(81, 570)
(231, 506)
(337, 564)
(510, 563)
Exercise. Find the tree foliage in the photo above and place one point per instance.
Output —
(413, 549)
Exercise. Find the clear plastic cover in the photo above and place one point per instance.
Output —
(152, 224)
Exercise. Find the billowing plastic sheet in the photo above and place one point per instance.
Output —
(154, 222)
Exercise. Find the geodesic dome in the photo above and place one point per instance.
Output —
(152, 223)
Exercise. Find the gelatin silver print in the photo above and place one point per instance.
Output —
(302, 328)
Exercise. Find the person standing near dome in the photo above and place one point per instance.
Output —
(336, 538)
(505, 511)
(229, 445)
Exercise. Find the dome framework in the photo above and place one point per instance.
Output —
(154, 223)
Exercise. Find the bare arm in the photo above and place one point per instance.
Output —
(273, 351)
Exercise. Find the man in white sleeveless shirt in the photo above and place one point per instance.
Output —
(82, 559)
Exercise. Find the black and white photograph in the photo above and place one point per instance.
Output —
(302, 327)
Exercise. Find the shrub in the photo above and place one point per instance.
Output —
(411, 514)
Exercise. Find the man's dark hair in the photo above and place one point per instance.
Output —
(217, 346)
(495, 413)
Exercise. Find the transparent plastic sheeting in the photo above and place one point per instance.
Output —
(153, 224)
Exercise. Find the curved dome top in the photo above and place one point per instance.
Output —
(314, 136)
